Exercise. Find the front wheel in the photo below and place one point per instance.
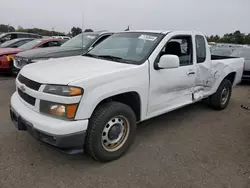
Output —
(221, 98)
(111, 131)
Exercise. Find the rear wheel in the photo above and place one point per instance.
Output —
(221, 98)
(111, 131)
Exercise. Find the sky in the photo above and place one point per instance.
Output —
(207, 16)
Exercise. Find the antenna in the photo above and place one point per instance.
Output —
(82, 30)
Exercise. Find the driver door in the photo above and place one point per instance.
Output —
(172, 87)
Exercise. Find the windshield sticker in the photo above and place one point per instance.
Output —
(147, 37)
(90, 36)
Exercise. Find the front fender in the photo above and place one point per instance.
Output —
(108, 87)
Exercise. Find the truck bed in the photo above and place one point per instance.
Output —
(221, 64)
(217, 57)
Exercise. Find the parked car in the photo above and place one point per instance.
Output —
(95, 101)
(14, 35)
(7, 54)
(15, 43)
(76, 46)
(245, 53)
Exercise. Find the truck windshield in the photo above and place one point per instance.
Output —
(127, 47)
(80, 41)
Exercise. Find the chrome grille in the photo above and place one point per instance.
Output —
(27, 98)
(29, 83)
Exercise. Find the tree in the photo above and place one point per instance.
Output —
(6, 28)
(20, 28)
(76, 31)
(88, 30)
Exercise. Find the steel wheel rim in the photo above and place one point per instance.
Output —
(112, 144)
(224, 95)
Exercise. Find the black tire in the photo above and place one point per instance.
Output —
(101, 116)
(216, 99)
(11, 69)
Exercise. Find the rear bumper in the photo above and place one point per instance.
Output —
(66, 136)
(246, 75)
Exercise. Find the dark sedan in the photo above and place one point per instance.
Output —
(73, 47)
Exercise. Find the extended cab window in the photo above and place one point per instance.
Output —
(200, 48)
(180, 46)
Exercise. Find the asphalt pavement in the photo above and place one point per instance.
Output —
(193, 147)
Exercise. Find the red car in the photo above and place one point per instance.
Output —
(7, 54)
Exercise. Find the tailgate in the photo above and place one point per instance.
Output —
(247, 65)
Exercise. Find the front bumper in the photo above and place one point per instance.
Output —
(67, 136)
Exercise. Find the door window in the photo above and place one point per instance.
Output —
(13, 36)
(44, 45)
(23, 35)
(180, 46)
(54, 43)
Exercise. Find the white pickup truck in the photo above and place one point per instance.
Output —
(93, 102)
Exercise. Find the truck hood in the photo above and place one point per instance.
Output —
(65, 70)
(51, 52)
(6, 51)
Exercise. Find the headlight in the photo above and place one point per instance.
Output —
(63, 90)
(39, 59)
(65, 111)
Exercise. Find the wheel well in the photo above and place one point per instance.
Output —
(132, 99)
(231, 77)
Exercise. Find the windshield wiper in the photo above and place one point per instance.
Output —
(90, 55)
(110, 57)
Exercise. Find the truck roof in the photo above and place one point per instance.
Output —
(163, 31)
(100, 32)
(149, 31)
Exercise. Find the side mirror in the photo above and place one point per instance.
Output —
(169, 62)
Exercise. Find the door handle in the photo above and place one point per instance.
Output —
(190, 73)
